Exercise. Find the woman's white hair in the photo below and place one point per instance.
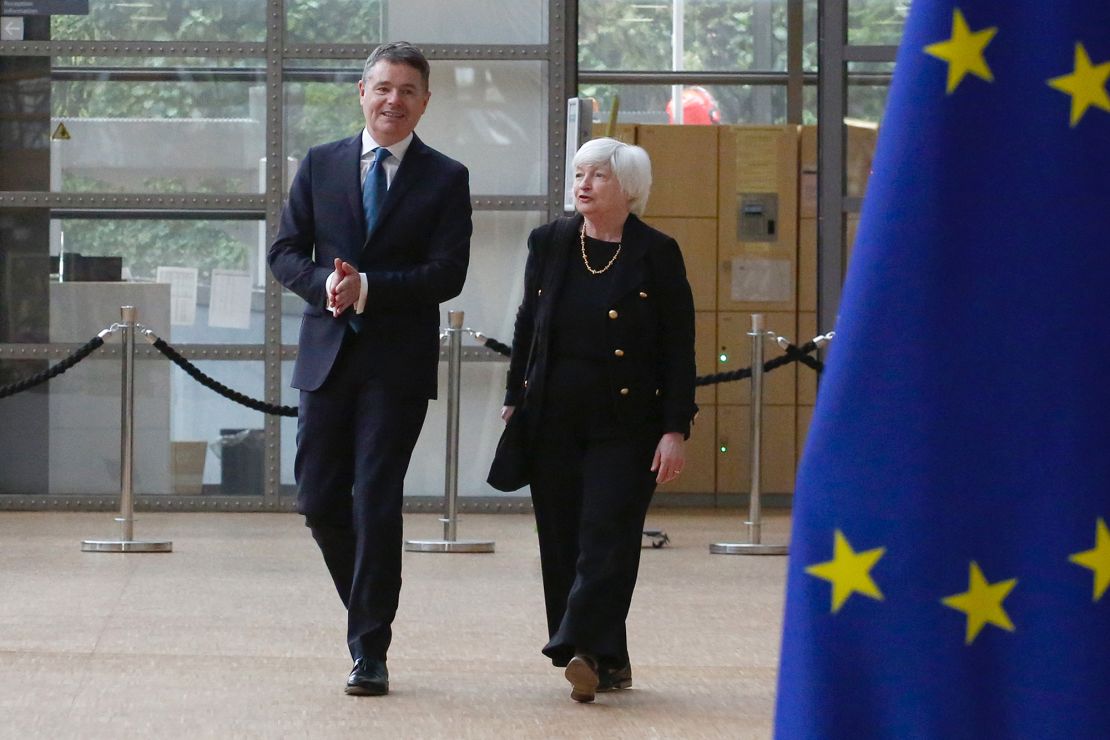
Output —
(630, 164)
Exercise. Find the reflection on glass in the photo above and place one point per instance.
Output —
(717, 35)
(494, 280)
(232, 462)
(169, 130)
(213, 272)
(726, 104)
(491, 116)
(878, 22)
(486, 22)
(869, 84)
(164, 20)
(335, 22)
(289, 397)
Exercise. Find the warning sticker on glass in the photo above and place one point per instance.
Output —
(762, 279)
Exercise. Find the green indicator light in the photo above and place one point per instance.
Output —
(724, 357)
(724, 449)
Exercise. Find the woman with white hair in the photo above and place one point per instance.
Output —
(602, 370)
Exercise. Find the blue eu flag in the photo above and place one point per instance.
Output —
(950, 555)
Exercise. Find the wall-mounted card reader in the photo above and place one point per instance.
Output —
(757, 217)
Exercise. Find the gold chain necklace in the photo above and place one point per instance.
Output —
(582, 243)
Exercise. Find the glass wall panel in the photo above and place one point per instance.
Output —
(868, 86)
(725, 104)
(491, 116)
(483, 390)
(231, 461)
(809, 105)
(25, 433)
(204, 278)
(420, 21)
(493, 290)
(809, 35)
(487, 22)
(480, 421)
(289, 397)
(876, 21)
(334, 22)
(71, 431)
(494, 280)
(717, 35)
(164, 20)
(64, 279)
(168, 126)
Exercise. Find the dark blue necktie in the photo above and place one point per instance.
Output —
(374, 188)
(373, 193)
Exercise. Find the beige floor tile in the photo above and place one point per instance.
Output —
(238, 633)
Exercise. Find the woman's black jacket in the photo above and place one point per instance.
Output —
(649, 331)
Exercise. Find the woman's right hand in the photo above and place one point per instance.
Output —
(506, 412)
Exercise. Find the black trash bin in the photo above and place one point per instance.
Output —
(242, 462)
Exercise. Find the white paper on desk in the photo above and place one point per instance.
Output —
(229, 303)
(183, 293)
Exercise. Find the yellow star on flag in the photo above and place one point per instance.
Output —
(1086, 85)
(849, 571)
(982, 603)
(1097, 559)
(963, 51)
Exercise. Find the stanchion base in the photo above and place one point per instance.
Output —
(746, 548)
(449, 545)
(125, 546)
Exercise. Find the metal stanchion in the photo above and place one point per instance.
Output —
(449, 543)
(126, 542)
(755, 514)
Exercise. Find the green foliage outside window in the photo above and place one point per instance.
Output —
(718, 35)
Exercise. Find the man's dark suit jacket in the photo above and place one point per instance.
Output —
(415, 259)
(650, 319)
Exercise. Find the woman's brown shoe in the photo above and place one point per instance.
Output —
(582, 673)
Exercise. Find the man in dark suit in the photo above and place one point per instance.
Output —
(376, 234)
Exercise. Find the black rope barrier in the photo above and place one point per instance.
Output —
(791, 353)
(223, 390)
(493, 344)
(53, 371)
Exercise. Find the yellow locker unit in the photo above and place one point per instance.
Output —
(705, 355)
(684, 170)
(807, 264)
(625, 132)
(697, 237)
(734, 351)
(757, 244)
(778, 461)
(860, 138)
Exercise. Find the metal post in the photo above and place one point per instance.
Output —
(450, 543)
(454, 381)
(126, 518)
(678, 51)
(755, 513)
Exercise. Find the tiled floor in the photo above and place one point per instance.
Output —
(238, 633)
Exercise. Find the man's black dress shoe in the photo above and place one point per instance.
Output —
(368, 678)
(612, 679)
